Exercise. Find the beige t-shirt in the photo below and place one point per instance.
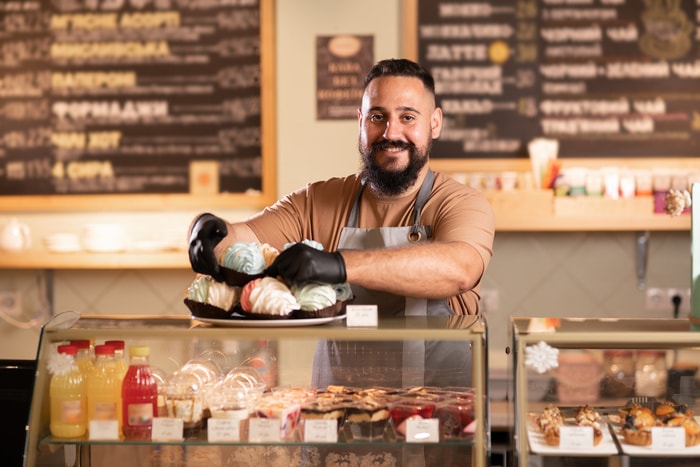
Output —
(320, 210)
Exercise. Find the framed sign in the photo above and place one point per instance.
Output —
(606, 79)
(136, 104)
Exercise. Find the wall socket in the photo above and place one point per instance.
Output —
(490, 300)
(11, 303)
(660, 300)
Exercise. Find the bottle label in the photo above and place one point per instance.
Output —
(105, 411)
(140, 414)
(72, 411)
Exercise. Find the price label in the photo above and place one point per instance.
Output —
(223, 429)
(321, 431)
(667, 438)
(104, 429)
(264, 430)
(363, 316)
(576, 437)
(167, 429)
(422, 430)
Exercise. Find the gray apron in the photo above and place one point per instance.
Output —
(392, 364)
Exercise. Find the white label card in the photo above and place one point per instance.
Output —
(104, 429)
(362, 316)
(576, 437)
(223, 429)
(321, 431)
(422, 430)
(264, 430)
(663, 437)
(166, 429)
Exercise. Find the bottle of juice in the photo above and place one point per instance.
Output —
(119, 357)
(67, 395)
(104, 387)
(139, 395)
(84, 356)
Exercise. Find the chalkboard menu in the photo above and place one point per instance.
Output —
(105, 97)
(607, 78)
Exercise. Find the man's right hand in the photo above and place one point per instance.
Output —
(207, 231)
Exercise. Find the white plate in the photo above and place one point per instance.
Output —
(268, 323)
(633, 450)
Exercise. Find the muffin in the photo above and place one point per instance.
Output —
(316, 300)
(267, 298)
(243, 262)
(207, 298)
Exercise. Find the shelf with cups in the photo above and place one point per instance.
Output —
(525, 209)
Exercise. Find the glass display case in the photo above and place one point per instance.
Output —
(612, 391)
(426, 377)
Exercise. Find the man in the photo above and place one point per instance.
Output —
(403, 241)
(411, 241)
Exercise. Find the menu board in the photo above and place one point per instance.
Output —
(112, 97)
(606, 78)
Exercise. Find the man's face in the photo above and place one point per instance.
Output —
(398, 121)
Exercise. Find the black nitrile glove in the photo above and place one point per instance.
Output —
(302, 263)
(207, 231)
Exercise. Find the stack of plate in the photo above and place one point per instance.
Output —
(104, 238)
(62, 242)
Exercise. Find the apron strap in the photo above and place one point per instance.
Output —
(422, 197)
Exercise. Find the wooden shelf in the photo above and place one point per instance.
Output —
(42, 259)
(541, 211)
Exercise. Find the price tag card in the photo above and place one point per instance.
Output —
(666, 438)
(223, 429)
(361, 316)
(321, 431)
(575, 437)
(422, 430)
(104, 429)
(167, 429)
(264, 430)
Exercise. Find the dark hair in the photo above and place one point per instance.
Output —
(401, 67)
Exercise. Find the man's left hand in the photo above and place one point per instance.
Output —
(302, 263)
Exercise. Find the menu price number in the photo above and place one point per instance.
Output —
(77, 170)
(30, 21)
(30, 138)
(15, 53)
(28, 169)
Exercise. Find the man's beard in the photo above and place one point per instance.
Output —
(392, 182)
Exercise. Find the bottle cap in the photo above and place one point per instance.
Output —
(68, 349)
(81, 343)
(139, 351)
(118, 345)
(104, 350)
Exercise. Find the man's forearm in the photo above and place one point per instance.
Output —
(433, 270)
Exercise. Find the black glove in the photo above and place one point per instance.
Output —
(301, 263)
(207, 231)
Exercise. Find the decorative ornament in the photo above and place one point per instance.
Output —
(60, 363)
(677, 201)
(541, 357)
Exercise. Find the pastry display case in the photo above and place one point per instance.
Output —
(615, 391)
(426, 412)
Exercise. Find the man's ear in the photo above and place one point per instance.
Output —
(436, 122)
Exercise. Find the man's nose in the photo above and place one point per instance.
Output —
(392, 131)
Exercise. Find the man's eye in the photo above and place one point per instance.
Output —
(376, 118)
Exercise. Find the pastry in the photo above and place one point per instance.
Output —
(588, 416)
(243, 262)
(207, 298)
(316, 300)
(267, 298)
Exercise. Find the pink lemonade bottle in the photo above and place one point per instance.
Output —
(139, 395)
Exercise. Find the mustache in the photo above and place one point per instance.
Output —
(392, 144)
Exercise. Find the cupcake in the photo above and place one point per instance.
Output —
(267, 298)
(316, 300)
(207, 298)
(243, 262)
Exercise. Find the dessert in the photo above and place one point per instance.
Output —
(316, 300)
(207, 298)
(549, 422)
(403, 410)
(455, 418)
(638, 421)
(324, 409)
(367, 418)
(587, 416)
(245, 261)
(286, 410)
(267, 298)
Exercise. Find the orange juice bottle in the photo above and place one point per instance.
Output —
(119, 357)
(68, 396)
(104, 387)
(84, 356)
(139, 395)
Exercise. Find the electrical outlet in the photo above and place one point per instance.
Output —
(11, 303)
(490, 301)
(661, 300)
